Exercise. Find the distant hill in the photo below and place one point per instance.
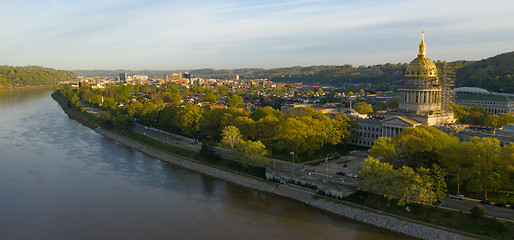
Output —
(494, 74)
(13, 77)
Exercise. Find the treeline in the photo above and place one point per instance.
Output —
(494, 74)
(12, 77)
(401, 166)
(302, 130)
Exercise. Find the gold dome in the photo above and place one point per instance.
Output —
(421, 66)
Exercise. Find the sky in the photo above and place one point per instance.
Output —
(194, 34)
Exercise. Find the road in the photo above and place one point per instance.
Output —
(467, 204)
(171, 138)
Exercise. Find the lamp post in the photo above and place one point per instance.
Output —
(326, 162)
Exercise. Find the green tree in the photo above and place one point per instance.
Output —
(253, 153)
(175, 99)
(109, 103)
(488, 166)
(234, 101)
(231, 137)
(438, 183)
(265, 130)
(134, 108)
(209, 97)
(377, 177)
(96, 100)
(259, 113)
(363, 108)
(188, 118)
(384, 148)
(123, 122)
(456, 161)
(246, 125)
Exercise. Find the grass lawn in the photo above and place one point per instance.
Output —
(462, 221)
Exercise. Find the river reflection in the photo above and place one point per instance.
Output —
(60, 180)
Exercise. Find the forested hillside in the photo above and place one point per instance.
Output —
(494, 74)
(12, 77)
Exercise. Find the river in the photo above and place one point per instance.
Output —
(61, 180)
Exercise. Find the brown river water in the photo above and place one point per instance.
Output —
(61, 180)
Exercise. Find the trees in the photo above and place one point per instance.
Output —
(234, 101)
(438, 183)
(403, 184)
(253, 153)
(12, 77)
(385, 149)
(419, 146)
(123, 122)
(231, 137)
(188, 118)
(259, 113)
(363, 108)
(488, 166)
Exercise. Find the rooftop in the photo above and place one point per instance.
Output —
(494, 98)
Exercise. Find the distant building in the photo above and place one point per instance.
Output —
(176, 76)
(492, 104)
(165, 77)
(123, 77)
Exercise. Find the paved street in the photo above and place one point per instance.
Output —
(467, 204)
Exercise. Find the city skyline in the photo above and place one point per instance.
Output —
(159, 35)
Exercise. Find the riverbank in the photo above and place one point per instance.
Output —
(384, 221)
(52, 86)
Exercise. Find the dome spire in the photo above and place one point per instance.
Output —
(422, 46)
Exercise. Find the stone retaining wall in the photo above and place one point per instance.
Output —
(384, 221)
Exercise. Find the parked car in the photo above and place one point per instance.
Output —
(350, 175)
(460, 197)
(503, 205)
(341, 173)
(485, 202)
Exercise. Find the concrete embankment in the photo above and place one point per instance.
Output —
(384, 221)
(285, 190)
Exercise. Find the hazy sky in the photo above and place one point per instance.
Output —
(166, 35)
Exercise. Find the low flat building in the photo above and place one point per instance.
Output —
(492, 104)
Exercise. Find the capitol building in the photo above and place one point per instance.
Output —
(420, 103)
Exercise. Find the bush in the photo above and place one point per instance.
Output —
(500, 225)
(477, 211)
